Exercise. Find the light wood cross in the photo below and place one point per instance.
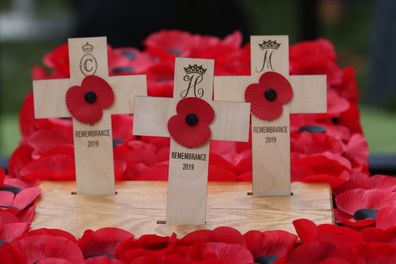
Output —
(93, 145)
(271, 139)
(188, 167)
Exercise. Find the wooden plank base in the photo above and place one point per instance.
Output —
(138, 206)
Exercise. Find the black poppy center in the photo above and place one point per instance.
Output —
(90, 97)
(365, 214)
(312, 129)
(266, 259)
(270, 94)
(101, 255)
(14, 190)
(191, 119)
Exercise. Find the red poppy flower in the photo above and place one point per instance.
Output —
(325, 167)
(48, 248)
(168, 44)
(52, 165)
(315, 143)
(43, 140)
(160, 80)
(86, 102)
(363, 181)
(58, 60)
(268, 96)
(137, 62)
(269, 245)
(102, 242)
(11, 227)
(359, 207)
(15, 202)
(190, 126)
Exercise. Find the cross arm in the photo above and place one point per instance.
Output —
(230, 88)
(231, 121)
(50, 98)
(151, 115)
(125, 88)
(309, 94)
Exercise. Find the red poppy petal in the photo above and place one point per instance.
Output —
(230, 253)
(228, 235)
(41, 247)
(8, 254)
(200, 107)
(339, 235)
(102, 241)
(26, 197)
(312, 252)
(276, 81)
(261, 107)
(9, 232)
(265, 110)
(6, 198)
(54, 261)
(306, 230)
(52, 233)
(103, 90)
(188, 136)
(386, 217)
(270, 243)
(102, 260)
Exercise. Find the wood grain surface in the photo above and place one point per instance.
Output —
(138, 206)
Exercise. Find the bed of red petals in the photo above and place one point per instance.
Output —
(325, 148)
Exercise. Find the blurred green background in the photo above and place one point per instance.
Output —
(348, 24)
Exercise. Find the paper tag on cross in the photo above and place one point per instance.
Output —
(191, 119)
(273, 95)
(90, 97)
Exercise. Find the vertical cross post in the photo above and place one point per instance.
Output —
(271, 138)
(93, 146)
(188, 166)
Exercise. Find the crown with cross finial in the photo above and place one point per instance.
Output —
(87, 48)
(194, 69)
(269, 45)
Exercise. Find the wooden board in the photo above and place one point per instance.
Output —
(140, 204)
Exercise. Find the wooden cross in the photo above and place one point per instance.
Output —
(188, 167)
(93, 146)
(271, 139)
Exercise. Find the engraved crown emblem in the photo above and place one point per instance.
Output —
(87, 48)
(269, 45)
(194, 69)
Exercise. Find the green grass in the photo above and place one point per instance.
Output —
(380, 129)
(9, 133)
